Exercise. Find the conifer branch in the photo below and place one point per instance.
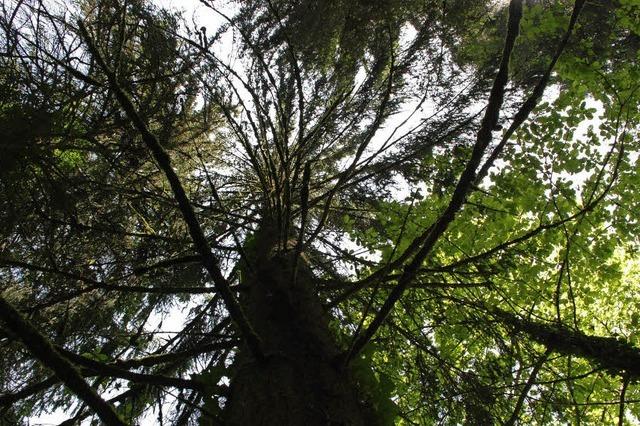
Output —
(42, 349)
(197, 235)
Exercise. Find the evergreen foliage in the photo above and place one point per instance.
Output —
(403, 212)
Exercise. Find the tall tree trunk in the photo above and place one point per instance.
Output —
(298, 384)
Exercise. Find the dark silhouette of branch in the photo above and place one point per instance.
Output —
(463, 186)
(155, 359)
(11, 398)
(344, 176)
(197, 235)
(40, 347)
(103, 369)
(623, 391)
(139, 270)
(614, 355)
(95, 285)
(118, 369)
(511, 421)
(532, 101)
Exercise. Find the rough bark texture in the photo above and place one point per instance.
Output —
(298, 383)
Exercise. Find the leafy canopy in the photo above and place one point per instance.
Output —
(474, 242)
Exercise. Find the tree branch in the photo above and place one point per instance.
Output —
(113, 371)
(615, 356)
(41, 348)
(525, 390)
(188, 213)
(532, 101)
(483, 139)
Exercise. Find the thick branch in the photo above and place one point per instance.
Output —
(616, 356)
(41, 348)
(197, 235)
(463, 186)
(532, 101)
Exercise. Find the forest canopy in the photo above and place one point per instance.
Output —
(320, 212)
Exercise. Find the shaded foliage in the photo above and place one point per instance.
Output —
(331, 197)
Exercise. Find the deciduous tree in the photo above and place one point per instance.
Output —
(416, 212)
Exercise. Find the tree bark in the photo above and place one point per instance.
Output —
(299, 382)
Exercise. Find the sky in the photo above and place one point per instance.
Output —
(175, 319)
(397, 125)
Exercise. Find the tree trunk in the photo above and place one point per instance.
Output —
(299, 383)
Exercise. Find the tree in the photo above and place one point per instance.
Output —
(393, 212)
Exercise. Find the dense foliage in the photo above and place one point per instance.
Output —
(457, 179)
